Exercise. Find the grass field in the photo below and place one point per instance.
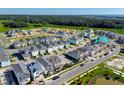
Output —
(32, 26)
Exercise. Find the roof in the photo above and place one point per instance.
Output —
(41, 47)
(25, 55)
(102, 39)
(34, 66)
(17, 43)
(48, 45)
(21, 72)
(54, 60)
(3, 56)
(43, 61)
(33, 48)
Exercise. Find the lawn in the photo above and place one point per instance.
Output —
(100, 71)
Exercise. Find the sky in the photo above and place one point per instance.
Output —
(62, 11)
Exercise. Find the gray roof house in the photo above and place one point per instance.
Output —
(55, 45)
(24, 43)
(4, 58)
(36, 41)
(35, 70)
(49, 47)
(25, 56)
(16, 44)
(34, 51)
(22, 74)
(79, 54)
(46, 65)
(42, 49)
(121, 39)
(30, 42)
(61, 34)
(61, 44)
(56, 62)
(10, 33)
(75, 40)
(25, 50)
(51, 63)
(66, 43)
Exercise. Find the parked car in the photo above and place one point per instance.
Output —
(81, 65)
(55, 77)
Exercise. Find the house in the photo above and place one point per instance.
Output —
(73, 40)
(61, 34)
(56, 62)
(10, 33)
(61, 44)
(42, 49)
(50, 64)
(55, 45)
(79, 54)
(29, 32)
(25, 49)
(30, 42)
(36, 41)
(110, 35)
(35, 70)
(121, 39)
(23, 43)
(48, 68)
(25, 56)
(24, 32)
(4, 58)
(89, 33)
(34, 51)
(100, 32)
(66, 43)
(16, 44)
(50, 48)
(22, 73)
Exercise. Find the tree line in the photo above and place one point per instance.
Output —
(88, 21)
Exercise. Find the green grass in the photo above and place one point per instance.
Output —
(100, 71)
(32, 26)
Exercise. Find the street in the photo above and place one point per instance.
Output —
(78, 70)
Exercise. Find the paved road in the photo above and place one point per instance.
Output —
(76, 71)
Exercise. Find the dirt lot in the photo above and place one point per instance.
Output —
(117, 63)
(103, 81)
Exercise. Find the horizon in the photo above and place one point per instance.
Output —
(62, 11)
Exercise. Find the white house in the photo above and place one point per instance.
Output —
(35, 70)
(34, 51)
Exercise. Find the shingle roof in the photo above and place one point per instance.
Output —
(34, 66)
(3, 55)
(21, 72)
